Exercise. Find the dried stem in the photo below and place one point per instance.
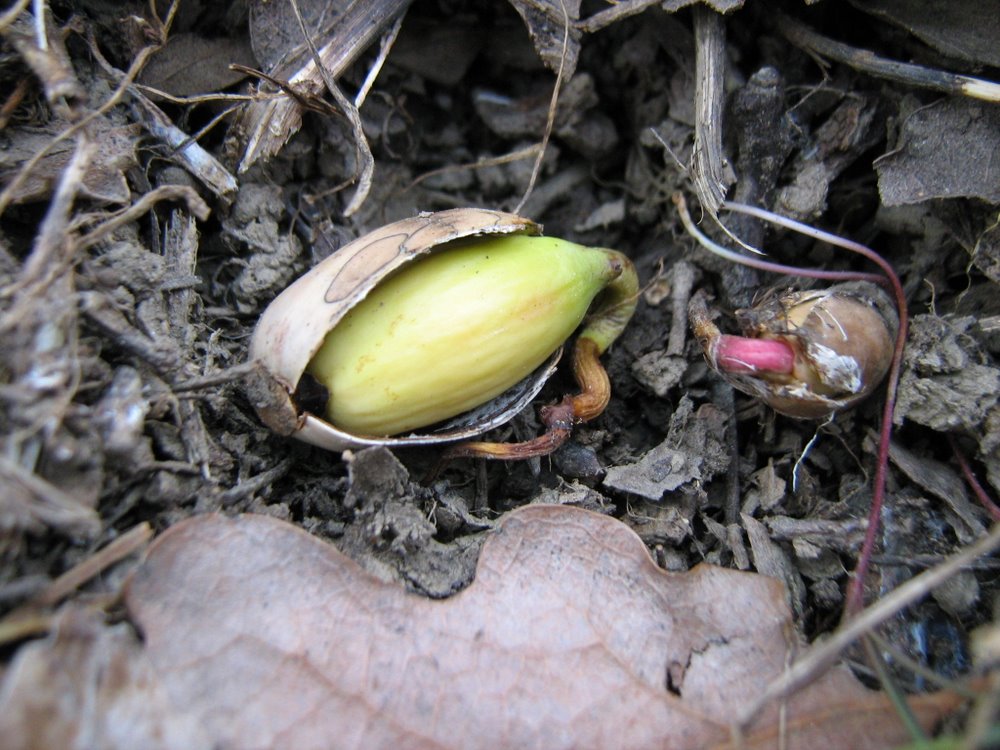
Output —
(551, 119)
(388, 40)
(709, 173)
(195, 205)
(682, 282)
(128, 543)
(893, 70)
(11, 13)
(616, 12)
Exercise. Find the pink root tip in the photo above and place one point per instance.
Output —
(742, 355)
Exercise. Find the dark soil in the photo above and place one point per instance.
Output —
(121, 386)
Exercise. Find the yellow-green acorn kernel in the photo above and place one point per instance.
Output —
(455, 329)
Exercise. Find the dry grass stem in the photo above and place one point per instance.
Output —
(893, 70)
(362, 149)
(128, 543)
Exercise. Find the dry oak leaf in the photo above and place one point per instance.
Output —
(190, 65)
(569, 636)
(88, 685)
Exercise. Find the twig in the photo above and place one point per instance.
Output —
(194, 202)
(868, 62)
(38, 7)
(682, 281)
(388, 40)
(186, 148)
(30, 618)
(708, 171)
(52, 244)
(219, 378)
(256, 483)
(11, 13)
(723, 397)
(555, 189)
(617, 12)
(820, 656)
(48, 61)
(162, 353)
(180, 250)
(202, 98)
(16, 629)
(489, 161)
(98, 562)
(51, 505)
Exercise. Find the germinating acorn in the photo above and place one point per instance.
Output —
(426, 319)
(806, 354)
(456, 329)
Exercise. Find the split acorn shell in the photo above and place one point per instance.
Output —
(399, 361)
(839, 341)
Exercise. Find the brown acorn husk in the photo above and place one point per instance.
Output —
(842, 338)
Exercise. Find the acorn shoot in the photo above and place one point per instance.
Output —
(440, 316)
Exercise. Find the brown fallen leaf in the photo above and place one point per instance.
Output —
(89, 685)
(569, 636)
(189, 64)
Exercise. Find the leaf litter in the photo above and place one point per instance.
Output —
(123, 334)
(258, 635)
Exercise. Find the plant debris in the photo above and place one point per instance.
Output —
(643, 658)
(154, 200)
